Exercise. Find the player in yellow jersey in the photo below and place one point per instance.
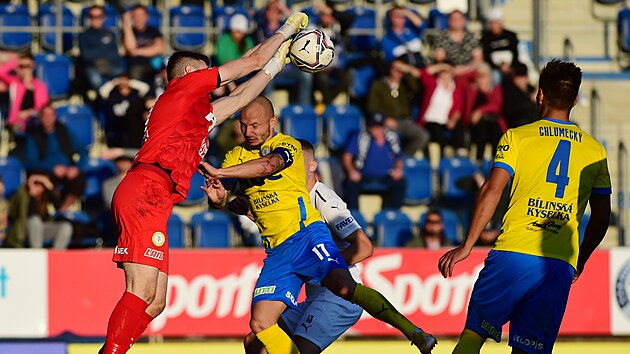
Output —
(555, 168)
(269, 167)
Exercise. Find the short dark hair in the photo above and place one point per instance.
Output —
(179, 60)
(560, 83)
(139, 6)
(306, 145)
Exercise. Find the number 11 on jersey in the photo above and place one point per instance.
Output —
(558, 170)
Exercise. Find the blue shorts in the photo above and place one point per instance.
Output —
(310, 254)
(529, 291)
(322, 317)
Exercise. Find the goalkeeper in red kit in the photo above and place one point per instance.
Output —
(175, 142)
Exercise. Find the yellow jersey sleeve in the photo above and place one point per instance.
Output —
(602, 183)
(505, 156)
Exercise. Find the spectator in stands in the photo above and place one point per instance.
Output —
(4, 213)
(124, 104)
(300, 82)
(442, 106)
(393, 96)
(50, 149)
(27, 93)
(499, 44)
(99, 50)
(457, 45)
(519, 97)
(485, 103)
(373, 163)
(144, 45)
(123, 164)
(30, 218)
(236, 42)
(400, 42)
(432, 234)
(335, 79)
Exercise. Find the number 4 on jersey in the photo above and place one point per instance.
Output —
(558, 170)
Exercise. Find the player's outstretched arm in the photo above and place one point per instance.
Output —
(360, 247)
(262, 167)
(225, 107)
(216, 192)
(255, 60)
(595, 229)
(485, 205)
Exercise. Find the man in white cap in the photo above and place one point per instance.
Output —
(236, 42)
(499, 44)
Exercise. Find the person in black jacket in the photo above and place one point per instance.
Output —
(499, 44)
(519, 98)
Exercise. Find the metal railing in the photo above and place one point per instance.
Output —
(622, 164)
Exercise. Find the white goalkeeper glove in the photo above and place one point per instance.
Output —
(279, 60)
(296, 22)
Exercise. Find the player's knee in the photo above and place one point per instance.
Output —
(250, 343)
(156, 307)
(258, 325)
(345, 291)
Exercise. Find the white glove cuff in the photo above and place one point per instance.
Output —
(272, 68)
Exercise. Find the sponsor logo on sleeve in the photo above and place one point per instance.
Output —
(158, 238)
(121, 250)
(340, 225)
(155, 254)
(264, 290)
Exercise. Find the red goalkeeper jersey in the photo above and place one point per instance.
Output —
(176, 132)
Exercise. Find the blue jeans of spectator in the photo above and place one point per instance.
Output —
(392, 192)
(301, 81)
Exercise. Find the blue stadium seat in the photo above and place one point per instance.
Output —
(15, 15)
(175, 232)
(623, 29)
(364, 20)
(301, 121)
(212, 229)
(188, 17)
(356, 214)
(221, 16)
(47, 17)
(155, 17)
(12, 173)
(422, 2)
(195, 195)
(452, 226)
(96, 171)
(342, 121)
(57, 72)
(453, 170)
(79, 120)
(313, 15)
(392, 228)
(112, 17)
(419, 181)
(437, 20)
(362, 78)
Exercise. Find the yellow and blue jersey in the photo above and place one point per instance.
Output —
(555, 167)
(280, 203)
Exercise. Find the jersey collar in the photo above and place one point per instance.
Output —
(558, 121)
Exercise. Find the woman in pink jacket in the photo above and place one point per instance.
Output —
(27, 95)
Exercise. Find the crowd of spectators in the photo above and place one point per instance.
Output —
(453, 87)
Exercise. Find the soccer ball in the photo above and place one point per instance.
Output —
(311, 50)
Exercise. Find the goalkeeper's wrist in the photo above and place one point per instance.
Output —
(287, 30)
(272, 68)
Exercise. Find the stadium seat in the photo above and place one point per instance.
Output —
(112, 17)
(212, 229)
(12, 173)
(155, 17)
(358, 216)
(452, 225)
(312, 13)
(422, 2)
(364, 20)
(15, 15)
(342, 121)
(57, 72)
(47, 17)
(392, 228)
(419, 181)
(362, 78)
(80, 218)
(452, 170)
(188, 17)
(437, 20)
(195, 195)
(301, 121)
(96, 171)
(623, 30)
(175, 232)
(79, 120)
(221, 16)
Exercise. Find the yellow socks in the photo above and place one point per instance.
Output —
(381, 309)
(469, 343)
(276, 341)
